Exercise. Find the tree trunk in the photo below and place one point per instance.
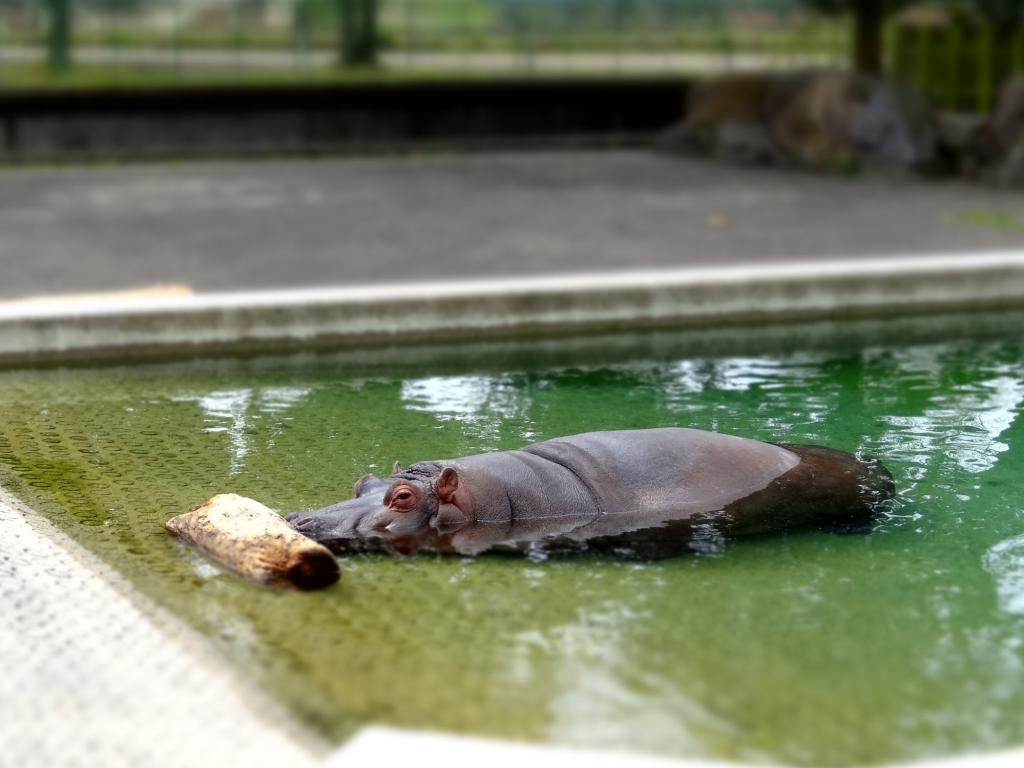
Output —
(357, 21)
(869, 18)
(59, 41)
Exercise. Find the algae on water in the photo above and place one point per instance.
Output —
(810, 649)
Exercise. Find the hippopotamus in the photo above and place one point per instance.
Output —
(644, 492)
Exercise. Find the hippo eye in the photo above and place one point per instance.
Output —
(402, 500)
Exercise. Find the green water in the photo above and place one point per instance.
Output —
(818, 649)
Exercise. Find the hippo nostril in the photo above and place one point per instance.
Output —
(299, 522)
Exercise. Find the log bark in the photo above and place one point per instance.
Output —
(253, 541)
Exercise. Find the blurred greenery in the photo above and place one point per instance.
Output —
(37, 76)
(442, 24)
(958, 60)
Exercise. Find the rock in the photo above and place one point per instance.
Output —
(825, 119)
(746, 141)
(957, 130)
(1010, 170)
(957, 136)
(735, 106)
(893, 127)
(812, 124)
(998, 147)
(1007, 122)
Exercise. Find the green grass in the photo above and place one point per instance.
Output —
(474, 27)
(36, 77)
(1005, 221)
(470, 26)
(103, 77)
(473, 35)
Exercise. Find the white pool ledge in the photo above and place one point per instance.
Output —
(90, 327)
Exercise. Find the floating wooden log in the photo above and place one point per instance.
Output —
(255, 542)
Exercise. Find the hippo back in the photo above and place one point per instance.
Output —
(648, 478)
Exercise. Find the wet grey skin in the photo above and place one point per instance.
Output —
(644, 493)
(346, 526)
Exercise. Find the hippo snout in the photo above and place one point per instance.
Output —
(340, 526)
(323, 526)
(315, 527)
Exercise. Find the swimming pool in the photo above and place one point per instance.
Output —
(805, 648)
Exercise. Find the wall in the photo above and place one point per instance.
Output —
(172, 123)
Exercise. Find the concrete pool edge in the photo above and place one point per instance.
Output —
(380, 745)
(103, 672)
(61, 329)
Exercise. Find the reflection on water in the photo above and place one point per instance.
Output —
(1005, 561)
(228, 411)
(963, 420)
(225, 412)
(481, 404)
(817, 649)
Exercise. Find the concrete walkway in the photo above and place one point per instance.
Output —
(293, 223)
(94, 676)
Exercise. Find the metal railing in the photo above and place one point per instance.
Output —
(957, 65)
(80, 40)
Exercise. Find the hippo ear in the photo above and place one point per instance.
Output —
(360, 484)
(396, 469)
(447, 484)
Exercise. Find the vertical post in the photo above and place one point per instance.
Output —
(346, 29)
(357, 20)
(524, 30)
(463, 33)
(619, 19)
(986, 74)
(59, 38)
(301, 37)
(952, 65)
(236, 32)
(1018, 51)
(410, 32)
(923, 81)
(368, 53)
(569, 38)
(869, 17)
(897, 44)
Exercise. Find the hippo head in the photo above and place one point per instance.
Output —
(416, 508)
